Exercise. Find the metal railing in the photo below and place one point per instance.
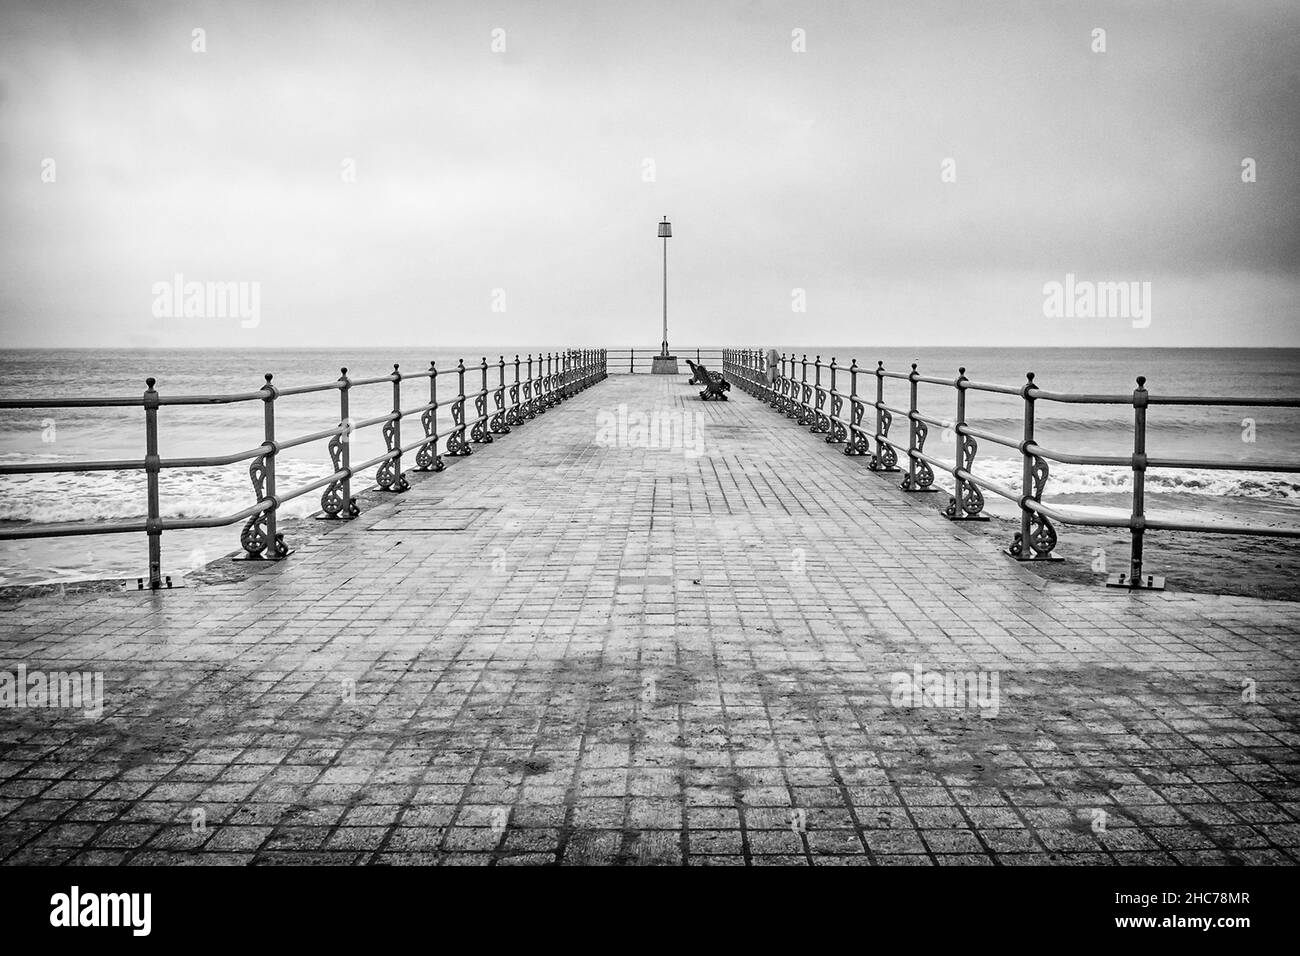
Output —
(556, 377)
(820, 405)
(637, 361)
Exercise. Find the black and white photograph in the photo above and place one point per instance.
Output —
(658, 434)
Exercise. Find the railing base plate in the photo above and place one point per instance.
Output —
(1145, 582)
(170, 582)
(1030, 559)
(262, 558)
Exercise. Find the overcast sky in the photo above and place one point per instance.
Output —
(525, 170)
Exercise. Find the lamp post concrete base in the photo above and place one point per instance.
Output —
(664, 365)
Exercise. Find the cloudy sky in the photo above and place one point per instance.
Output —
(794, 147)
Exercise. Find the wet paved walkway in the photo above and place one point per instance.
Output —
(631, 654)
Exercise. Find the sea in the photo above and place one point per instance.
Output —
(1208, 434)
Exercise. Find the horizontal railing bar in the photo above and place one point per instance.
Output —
(1176, 463)
(964, 429)
(1070, 516)
(949, 382)
(1204, 400)
(71, 402)
(893, 444)
(311, 486)
(306, 439)
(988, 387)
(374, 461)
(377, 420)
(1122, 461)
(57, 467)
(60, 529)
(421, 442)
(374, 381)
(231, 399)
(918, 417)
(940, 463)
(308, 389)
(1163, 524)
(1072, 398)
(220, 521)
(214, 460)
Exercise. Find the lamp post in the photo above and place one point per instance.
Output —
(665, 364)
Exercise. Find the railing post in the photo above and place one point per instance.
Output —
(498, 424)
(856, 441)
(543, 399)
(805, 393)
(631, 360)
(456, 443)
(792, 403)
(836, 430)
(1135, 579)
(427, 457)
(780, 402)
(268, 418)
(260, 538)
(1026, 468)
(920, 476)
(345, 453)
(1036, 537)
(513, 417)
(885, 459)
(909, 480)
(152, 465)
(1137, 524)
(389, 475)
(819, 423)
(967, 500)
(337, 498)
(527, 410)
(539, 387)
(478, 433)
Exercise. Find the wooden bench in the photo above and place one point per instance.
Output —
(715, 386)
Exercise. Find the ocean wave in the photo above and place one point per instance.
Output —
(183, 493)
(1084, 479)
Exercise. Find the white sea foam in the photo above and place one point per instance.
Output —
(1084, 479)
(184, 493)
